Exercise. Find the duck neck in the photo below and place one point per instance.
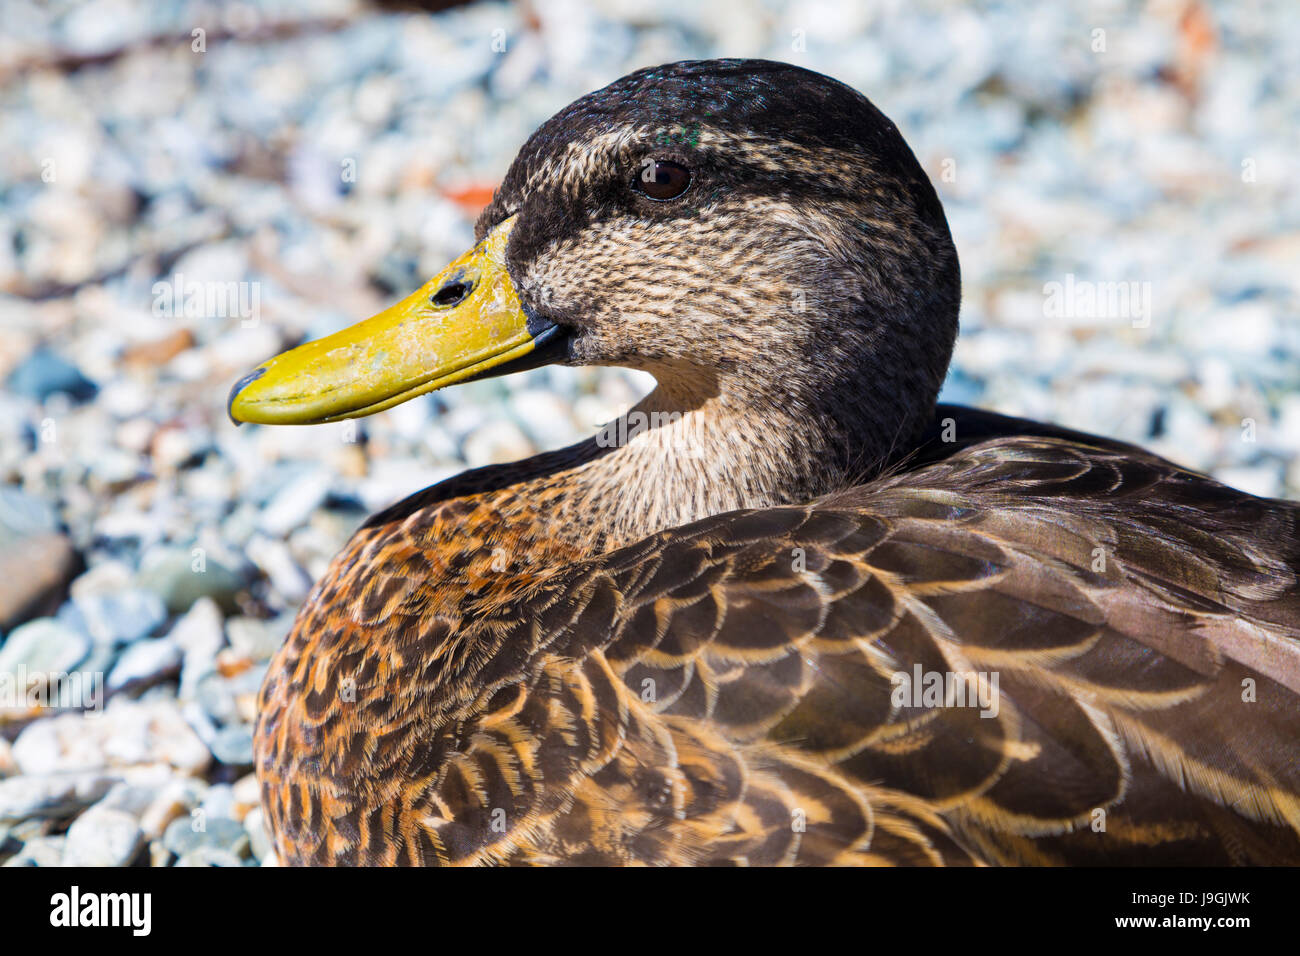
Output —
(685, 453)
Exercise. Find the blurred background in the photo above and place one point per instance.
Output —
(187, 188)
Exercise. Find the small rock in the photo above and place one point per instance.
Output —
(176, 799)
(199, 635)
(176, 448)
(258, 640)
(43, 851)
(127, 733)
(227, 700)
(544, 415)
(232, 663)
(43, 646)
(22, 515)
(246, 793)
(34, 576)
(234, 745)
(217, 697)
(122, 617)
(158, 352)
(51, 794)
(145, 662)
(219, 801)
(276, 562)
(30, 829)
(495, 443)
(1262, 480)
(105, 577)
(102, 837)
(132, 798)
(172, 575)
(259, 839)
(83, 688)
(135, 434)
(209, 856)
(200, 831)
(293, 504)
(44, 373)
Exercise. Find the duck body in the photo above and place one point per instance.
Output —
(805, 616)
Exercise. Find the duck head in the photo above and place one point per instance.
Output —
(753, 234)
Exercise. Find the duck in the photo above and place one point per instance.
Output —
(789, 609)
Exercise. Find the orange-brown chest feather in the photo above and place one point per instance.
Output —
(368, 694)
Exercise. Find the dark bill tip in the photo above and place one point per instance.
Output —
(243, 383)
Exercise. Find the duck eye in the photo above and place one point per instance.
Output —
(662, 179)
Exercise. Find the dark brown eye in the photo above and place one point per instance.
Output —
(662, 179)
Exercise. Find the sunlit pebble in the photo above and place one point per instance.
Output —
(125, 397)
(496, 442)
(1262, 480)
(135, 434)
(590, 412)
(242, 348)
(275, 561)
(349, 461)
(390, 480)
(410, 419)
(462, 419)
(173, 447)
(231, 663)
(313, 548)
(1287, 431)
(375, 98)
(293, 444)
(545, 416)
(294, 503)
(245, 794)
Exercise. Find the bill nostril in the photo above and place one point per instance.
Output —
(453, 293)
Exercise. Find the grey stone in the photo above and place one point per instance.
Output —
(172, 575)
(45, 646)
(43, 851)
(34, 574)
(121, 617)
(102, 837)
(43, 373)
(184, 835)
(51, 794)
(145, 662)
(293, 504)
(23, 515)
(199, 635)
(145, 734)
(258, 640)
(259, 839)
(234, 745)
(209, 856)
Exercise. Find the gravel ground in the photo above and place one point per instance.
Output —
(1119, 176)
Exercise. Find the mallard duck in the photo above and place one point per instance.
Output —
(787, 610)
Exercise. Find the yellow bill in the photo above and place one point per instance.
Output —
(464, 323)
